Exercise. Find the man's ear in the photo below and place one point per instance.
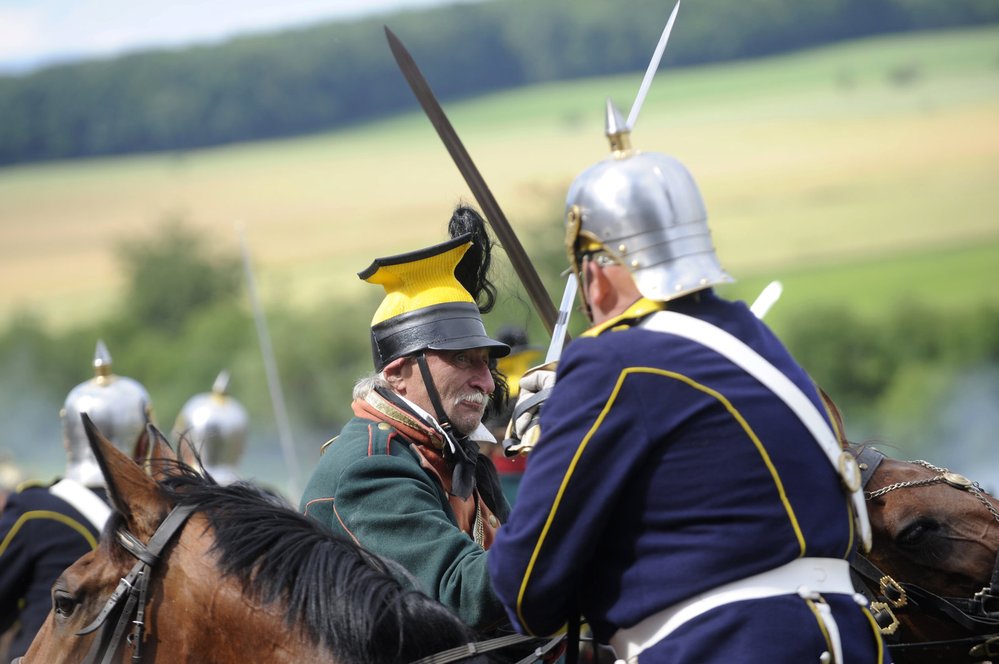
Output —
(598, 286)
(393, 374)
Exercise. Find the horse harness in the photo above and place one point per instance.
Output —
(978, 615)
(128, 604)
(128, 601)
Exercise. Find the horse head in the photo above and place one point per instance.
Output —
(935, 547)
(190, 571)
(79, 594)
(187, 612)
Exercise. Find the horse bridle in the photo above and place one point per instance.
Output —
(128, 601)
(978, 615)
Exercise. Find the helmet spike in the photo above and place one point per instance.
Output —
(102, 360)
(216, 424)
(617, 131)
(221, 385)
(119, 406)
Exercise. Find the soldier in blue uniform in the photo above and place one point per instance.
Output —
(45, 528)
(686, 493)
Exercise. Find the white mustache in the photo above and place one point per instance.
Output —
(478, 398)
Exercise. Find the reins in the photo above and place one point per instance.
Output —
(128, 601)
(480, 647)
(978, 615)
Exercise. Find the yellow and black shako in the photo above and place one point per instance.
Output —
(425, 307)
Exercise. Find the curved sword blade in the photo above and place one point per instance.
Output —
(490, 208)
(650, 71)
(564, 313)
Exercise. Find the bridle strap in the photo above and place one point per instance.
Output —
(133, 588)
(478, 647)
(868, 459)
(974, 615)
(971, 650)
(899, 595)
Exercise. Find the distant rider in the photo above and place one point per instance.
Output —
(45, 528)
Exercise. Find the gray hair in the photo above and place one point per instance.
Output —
(365, 384)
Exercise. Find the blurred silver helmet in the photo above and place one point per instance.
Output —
(119, 406)
(216, 424)
(644, 210)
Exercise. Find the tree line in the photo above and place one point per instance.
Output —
(311, 79)
(183, 317)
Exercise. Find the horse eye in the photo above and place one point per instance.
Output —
(914, 534)
(63, 603)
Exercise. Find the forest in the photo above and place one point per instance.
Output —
(333, 75)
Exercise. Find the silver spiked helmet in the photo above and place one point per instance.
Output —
(216, 424)
(644, 210)
(119, 406)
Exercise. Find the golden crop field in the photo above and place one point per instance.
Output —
(860, 152)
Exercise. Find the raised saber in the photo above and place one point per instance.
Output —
(650, 71)
(555, 348)
(270, 369)
(490, 208)
(564, 311)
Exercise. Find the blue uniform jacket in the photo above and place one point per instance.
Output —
(663, 470)
(40, 536)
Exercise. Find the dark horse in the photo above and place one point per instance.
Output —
(189, 571)
(933, 570)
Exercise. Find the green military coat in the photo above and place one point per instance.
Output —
(373, 484)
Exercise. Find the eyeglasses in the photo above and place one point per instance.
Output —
(464, 360)
(601, 259)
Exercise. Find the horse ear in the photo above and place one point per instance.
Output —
(161, 457)
(140, 453)
(132, 492)
(188, 455)
(836, 416)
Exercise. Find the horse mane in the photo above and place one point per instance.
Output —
(342, 596)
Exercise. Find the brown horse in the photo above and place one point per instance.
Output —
(932, 568)
(188, 571)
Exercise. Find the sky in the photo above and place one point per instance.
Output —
(38, 32)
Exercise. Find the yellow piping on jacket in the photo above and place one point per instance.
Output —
(596, 425)
(47, 514)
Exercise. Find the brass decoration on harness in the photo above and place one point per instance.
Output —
(978, 615)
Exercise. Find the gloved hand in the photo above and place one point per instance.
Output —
(535, 387)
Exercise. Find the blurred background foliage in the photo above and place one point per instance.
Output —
(911, 373)
(184, 302)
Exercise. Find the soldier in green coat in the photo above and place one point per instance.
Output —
(405, 478)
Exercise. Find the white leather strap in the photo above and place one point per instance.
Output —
(805, 577)
(757, 366)
(83, 500)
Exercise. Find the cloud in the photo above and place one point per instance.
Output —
(40, 31)
(21, 31)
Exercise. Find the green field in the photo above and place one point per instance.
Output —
(862, 173)
(954, 279)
